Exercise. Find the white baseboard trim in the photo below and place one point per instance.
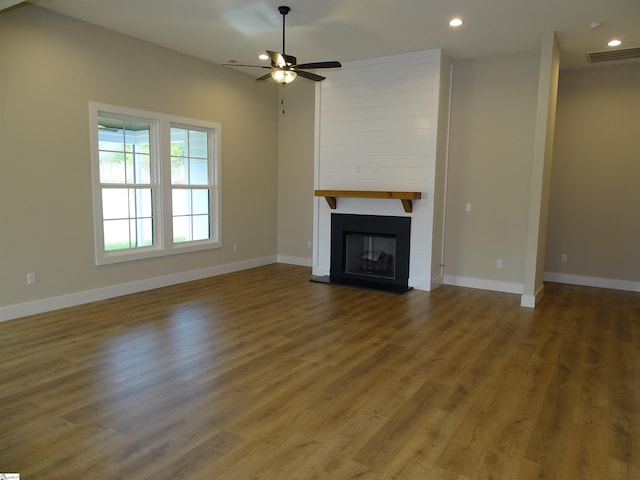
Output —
(531, 301)
(321, 271)
(599, 282)
(484, 284)
(419, 284)
(300, 261)
(54, 303)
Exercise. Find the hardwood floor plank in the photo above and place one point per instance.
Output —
(198, 459)
(487, 427)
(421, 450)
(587, 454)
(622, 471)
(409, 422)
(549, 438)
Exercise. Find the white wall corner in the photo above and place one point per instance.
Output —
(531, 301)
(541, 166)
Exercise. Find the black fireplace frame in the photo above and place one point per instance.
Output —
(398, 227)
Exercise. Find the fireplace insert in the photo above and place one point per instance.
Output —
(370, 251)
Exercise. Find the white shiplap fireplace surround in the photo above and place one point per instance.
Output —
(382, 124)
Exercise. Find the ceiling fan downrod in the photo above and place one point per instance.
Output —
(283, 9)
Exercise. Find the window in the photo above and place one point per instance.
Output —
(124, 152)
(155, 184)
(190, 184)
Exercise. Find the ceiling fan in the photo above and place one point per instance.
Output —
(284, 68)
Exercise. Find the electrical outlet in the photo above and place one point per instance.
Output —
(499, 263)
(31, 278)
(564, 258)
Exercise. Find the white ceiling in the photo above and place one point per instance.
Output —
(318, 30)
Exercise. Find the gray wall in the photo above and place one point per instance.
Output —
(595, 186)
(490, 161)
(52, 66)
(295, 172)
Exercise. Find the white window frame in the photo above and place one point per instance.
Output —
(161, 186)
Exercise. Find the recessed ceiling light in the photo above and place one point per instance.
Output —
(263, 56)
(455, 22)
(614, 43)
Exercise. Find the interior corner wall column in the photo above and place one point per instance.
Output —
(541, 172)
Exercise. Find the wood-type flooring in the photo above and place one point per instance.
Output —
(261, 374)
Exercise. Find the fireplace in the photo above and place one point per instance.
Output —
(370, 251)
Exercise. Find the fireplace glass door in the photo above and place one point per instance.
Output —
(371, 255)
(370, 251)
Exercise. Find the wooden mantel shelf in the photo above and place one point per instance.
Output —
(405, 197)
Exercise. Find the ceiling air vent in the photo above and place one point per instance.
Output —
(613, 55)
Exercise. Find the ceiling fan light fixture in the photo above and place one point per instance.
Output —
(284, 76)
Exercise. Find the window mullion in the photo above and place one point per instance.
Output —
(164, 184)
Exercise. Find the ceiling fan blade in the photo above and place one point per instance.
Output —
(243, 65)
(332, 64)
(264, 77)
(309, 75)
